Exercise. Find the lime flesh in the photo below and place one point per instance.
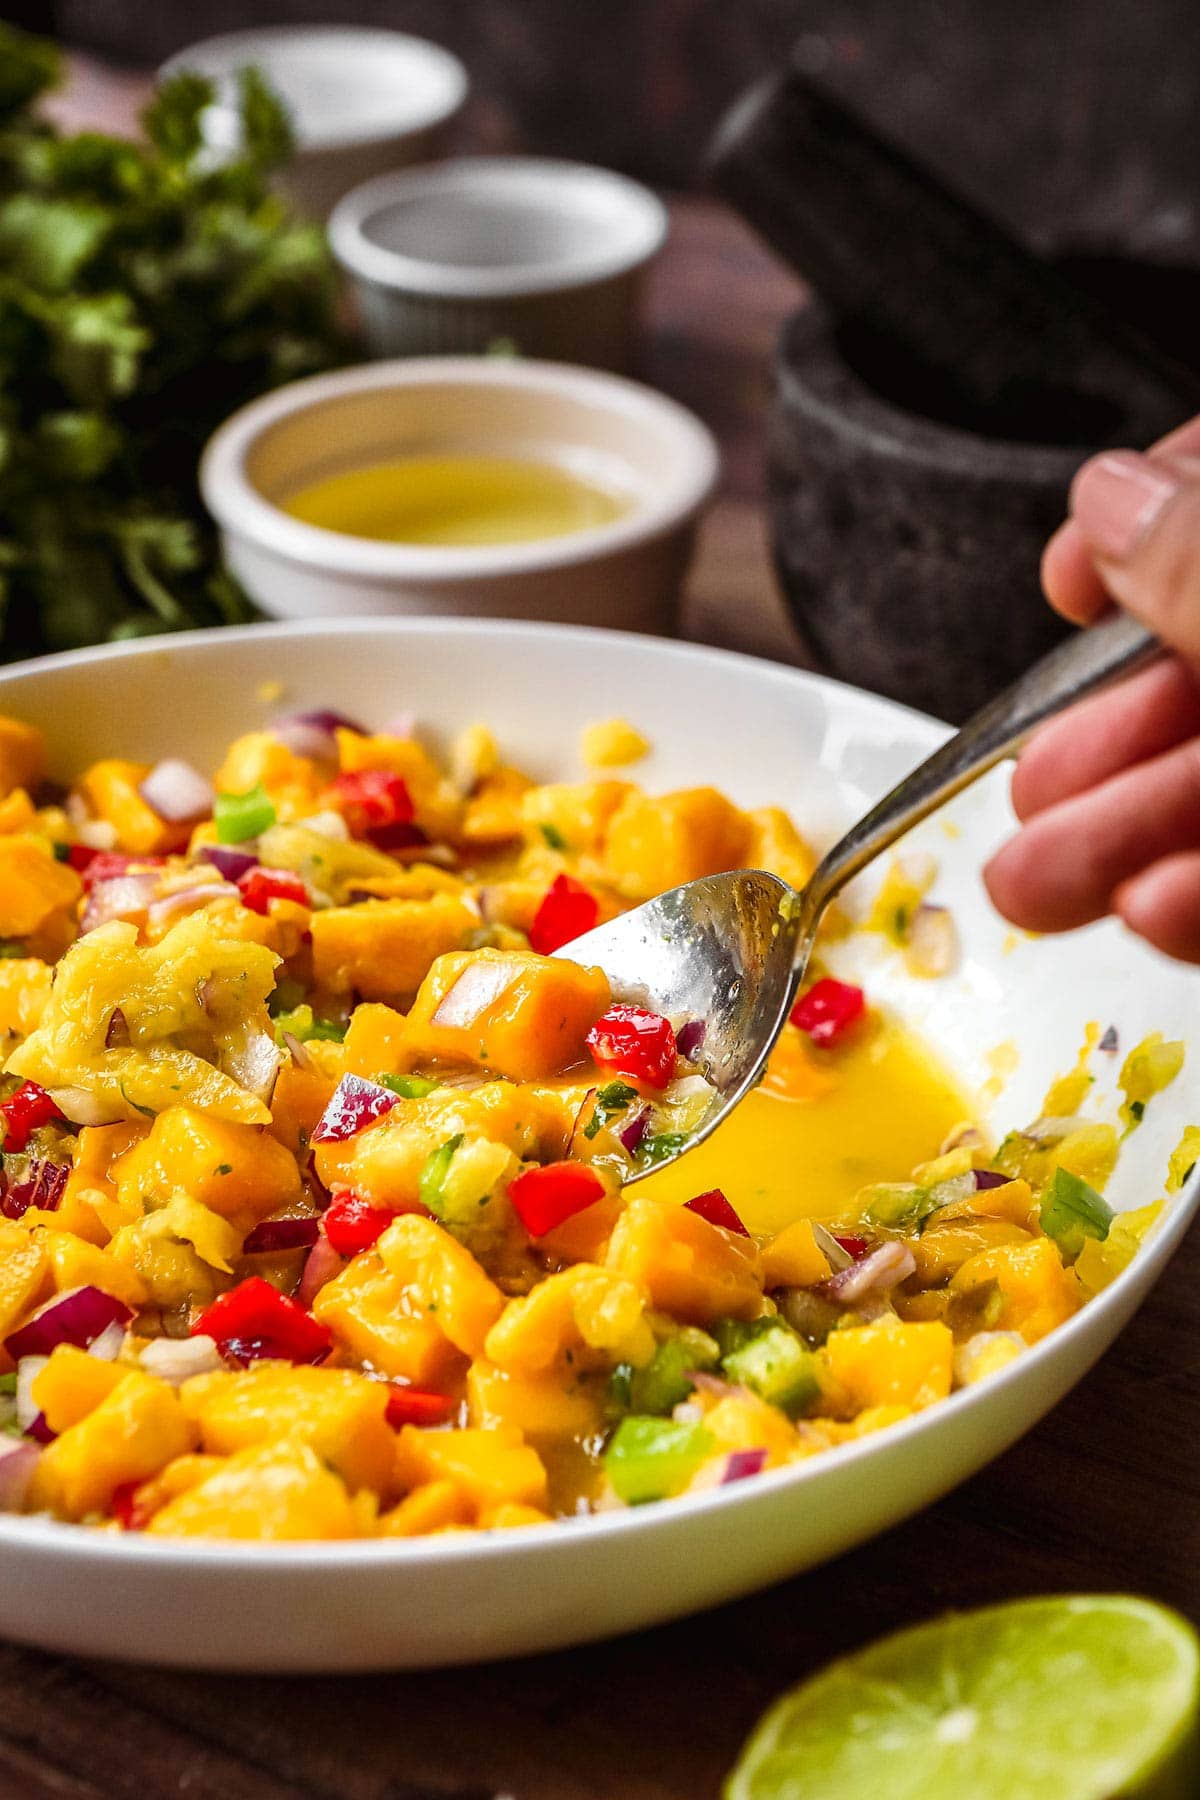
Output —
(1076, 1697)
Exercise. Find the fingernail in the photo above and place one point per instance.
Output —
(1115, 500)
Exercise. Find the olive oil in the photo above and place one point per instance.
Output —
(456, 501)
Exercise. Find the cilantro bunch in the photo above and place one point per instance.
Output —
(145, 292)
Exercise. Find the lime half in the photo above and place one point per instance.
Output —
(1076, 1697)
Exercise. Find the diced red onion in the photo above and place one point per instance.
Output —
(322, 1265)
(75, 1316)
(17, 1462)
(296, 1051)
(479, 986)
(963, 1137)
(690, 1037)
(990, 1178)
(327, 719)
(254, 1063)
(932, 941)
(108, 1346)
(177, 1359)
(124, 897)
(831, 1248)
(40, 1431)
(83, 1108)
(632, 1134)
(405, 835)
(185, 900)
(708, 1383)
(28, 1370)
(43, 1187)
(314, 733)
(282, 1234)
(117, 1035)
(227, 861)
(400, 725)
(1110, 1043)
(177, 792)
(741, 1463)
(883, 1268)
(355, 1104)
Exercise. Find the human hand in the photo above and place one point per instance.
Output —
(1108, 794)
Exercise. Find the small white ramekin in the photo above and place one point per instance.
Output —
(361, 100)
(544, 255)
(624, 436)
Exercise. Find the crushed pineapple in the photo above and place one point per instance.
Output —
(326, 1148)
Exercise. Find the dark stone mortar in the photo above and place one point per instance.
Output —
(908, 549)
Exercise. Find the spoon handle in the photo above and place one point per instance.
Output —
(1084, 662)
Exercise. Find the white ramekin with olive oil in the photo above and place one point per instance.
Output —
(505, 489)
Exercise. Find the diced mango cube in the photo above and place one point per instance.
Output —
(76, 1263)
(574, 817)
(891, 1363)
(383, 949)
(436, 1506)
(777, 846)
(582, 1317)
(33, 885)
(511, 1011)
(943, 1249)
(271, 1493)
(489, 1467)
(130, 1435)
(237, 1171)
(73, 1384)
(367, 1309)
(1037, 1292)
(609, 743)
(338, 1411)
(111, 789)
(22, 754)
(538, 1405)
(24, 990)
(651, 845)
(441, 1278)
(376, 1040)
(691, 1269)
(293, 782)
(793, 1258)
(24, 1274)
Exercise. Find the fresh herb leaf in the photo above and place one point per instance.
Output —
(553, 836)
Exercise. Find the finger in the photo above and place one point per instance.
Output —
(1146, 715)
(1070, 581)
(1183, 441)
(1162, 904)
(1062, 869)
(1142, 521)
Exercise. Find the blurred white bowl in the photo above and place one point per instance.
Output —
(621, 436)
(547, 255)
(362, 101)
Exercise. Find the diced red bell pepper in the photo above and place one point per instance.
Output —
(24, 1111)
(107, 865)
(828, 1010)
(544, 1197)
(353, 1224)
(415, 1406)
(125, 1510)
(635, 1043)
(258, 887)
(853, 1246)
(254, 1319)
(369, 799)
(714, 1207)
(79, 856)
(566, 912)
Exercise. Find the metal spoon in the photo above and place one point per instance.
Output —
(731, 949)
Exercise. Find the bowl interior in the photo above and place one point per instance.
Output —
(536, 220)
(599, 441)
(340, 84)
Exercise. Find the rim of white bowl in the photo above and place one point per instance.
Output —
(637, 228)
(434, 89)
(691, 465)
(81, 1542)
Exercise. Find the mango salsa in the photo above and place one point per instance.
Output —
(316, 1148)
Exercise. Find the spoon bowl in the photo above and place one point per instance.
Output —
(730, 950)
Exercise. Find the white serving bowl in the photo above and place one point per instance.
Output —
(545, 255)
(623, 436)
(361, 100)
(766, 734)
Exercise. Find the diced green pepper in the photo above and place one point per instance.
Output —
(648, 1459)
(1071, 1212)
(618, 1395)
(777, 1367)
(731, 1334)
(663, 1383)
(896, 1203)
(431, 1188)
(301, 1024)
(239, 817)
(409, 1087)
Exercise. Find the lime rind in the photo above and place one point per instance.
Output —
(1079, 1697)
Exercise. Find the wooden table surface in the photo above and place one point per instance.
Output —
(1105, 1493)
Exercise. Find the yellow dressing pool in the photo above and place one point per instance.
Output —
(822, 1125)
(456, 501)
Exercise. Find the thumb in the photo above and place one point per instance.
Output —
(1141, 519)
